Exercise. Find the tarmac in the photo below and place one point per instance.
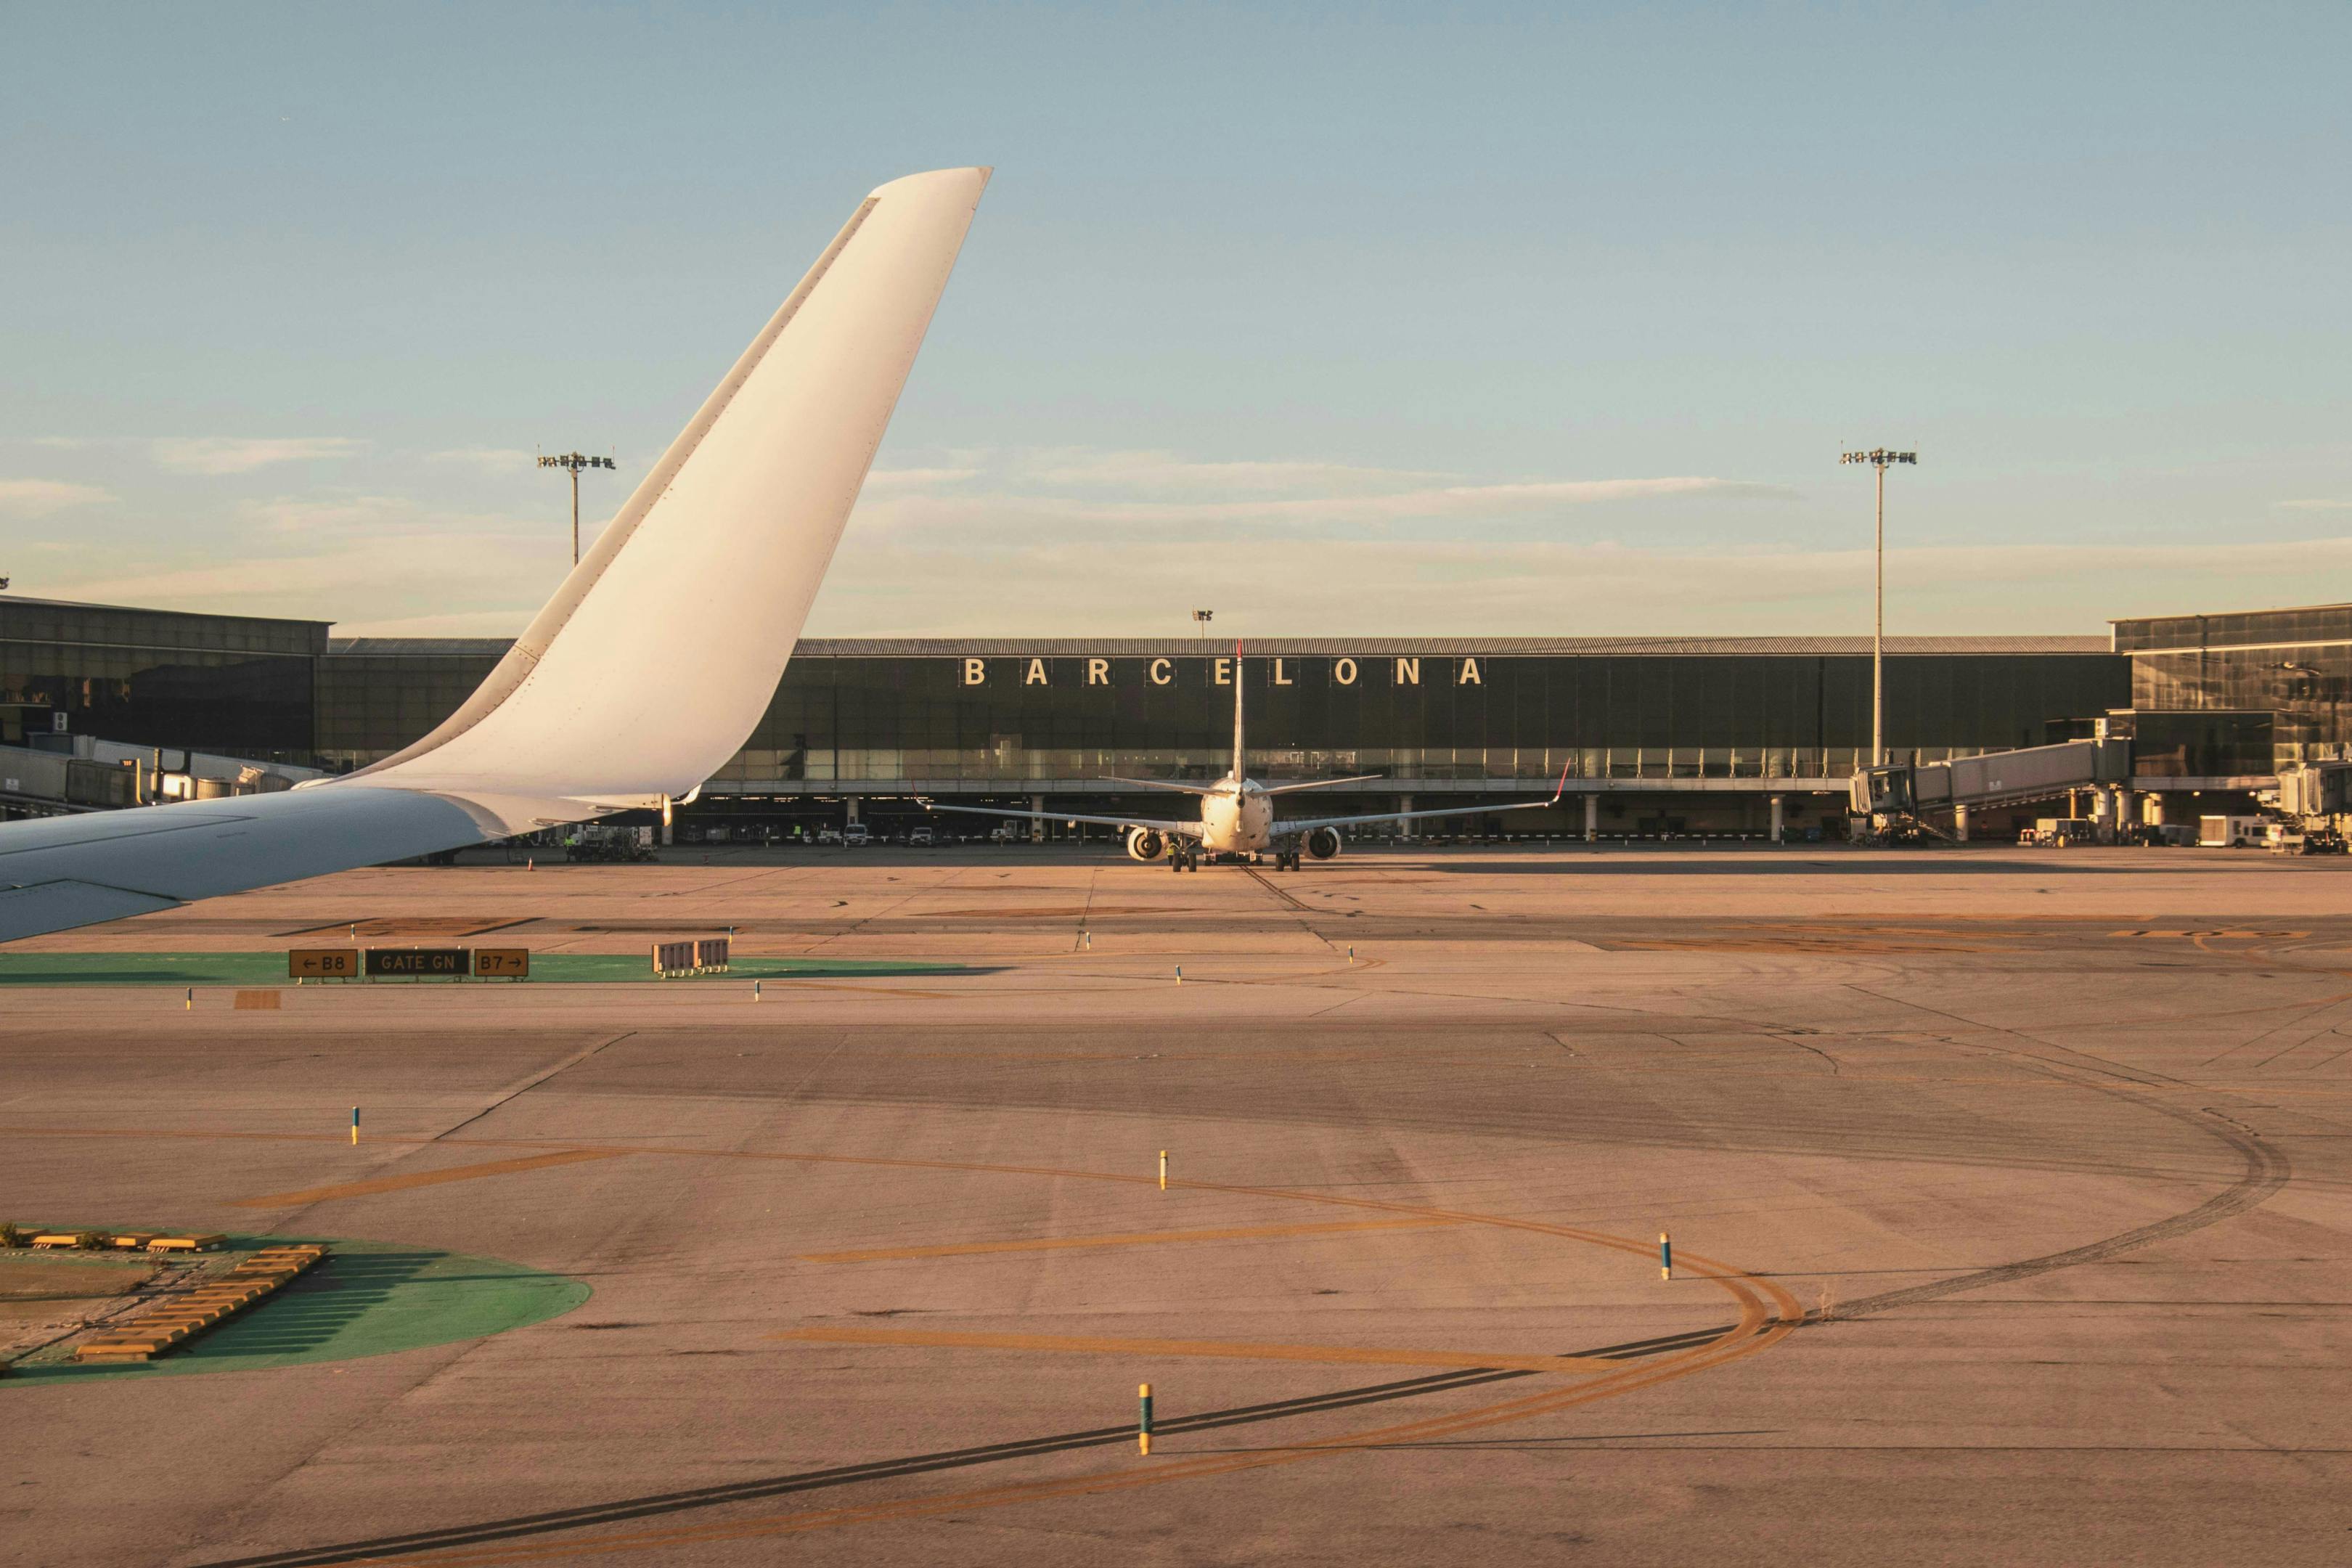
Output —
(2007, 1190)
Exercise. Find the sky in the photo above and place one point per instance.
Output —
(1350, 320)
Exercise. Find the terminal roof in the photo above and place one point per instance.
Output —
(1302, 647)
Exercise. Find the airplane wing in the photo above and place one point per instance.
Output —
(1160, 783)
(1319, 784)
(1283, 828)
(1182, 829)
(656, 657)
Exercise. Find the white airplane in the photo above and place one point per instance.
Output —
(652, 661)
(1237, 815)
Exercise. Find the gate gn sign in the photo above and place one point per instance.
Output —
(437, 962)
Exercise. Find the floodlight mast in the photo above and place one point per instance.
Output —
(1879, 457)
(575, 462)
(1203, 617)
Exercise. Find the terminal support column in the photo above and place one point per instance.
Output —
(1591, 818)
(1779, 818)
(1404, 828)
(1037, 824)
(1961, 822)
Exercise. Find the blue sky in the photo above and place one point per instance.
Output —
(1340, 319)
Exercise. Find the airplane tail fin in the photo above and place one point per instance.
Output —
(1237, 709)
(660, 651)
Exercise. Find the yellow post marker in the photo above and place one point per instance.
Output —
(1163, 1170)
(355, 1126)
(192, 1000)
(1665, 1256)
(1143, 1419)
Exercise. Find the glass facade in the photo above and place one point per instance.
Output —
(2294, 665)
(376, 695)
(989, 717)
(1000, 720)
(2209, 744)
(236, 684)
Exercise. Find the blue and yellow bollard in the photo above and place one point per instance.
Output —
(1665, 1256)
(755, 990)
(192, 1000)
(355, 1126)
(1143, 1419)
(1180, 974)
(1163, 1170)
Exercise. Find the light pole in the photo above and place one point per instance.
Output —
(1879, 457)
(575, 462)
(1203, 617)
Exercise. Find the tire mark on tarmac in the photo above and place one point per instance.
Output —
(1760, 1325)
(1691, 1352)
(766, 1487)
(2265, 1170)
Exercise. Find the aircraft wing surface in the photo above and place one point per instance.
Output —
(656, 657)
(1284, 826)
(1182, 829)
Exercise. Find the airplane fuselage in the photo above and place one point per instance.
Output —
(1237, 818)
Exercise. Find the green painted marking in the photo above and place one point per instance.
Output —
(258, 969)
(370, 1298)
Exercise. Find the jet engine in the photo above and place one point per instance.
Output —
(1323, 843)
(1143, 844)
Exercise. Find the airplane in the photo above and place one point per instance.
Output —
(650, 665)
(1237, 818)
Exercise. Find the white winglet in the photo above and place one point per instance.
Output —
(652, 661)
(661, 650)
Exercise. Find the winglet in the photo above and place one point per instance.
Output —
(659, 654)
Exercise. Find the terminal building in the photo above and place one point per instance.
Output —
(1654, 735)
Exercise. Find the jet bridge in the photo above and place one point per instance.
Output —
(1994, 779)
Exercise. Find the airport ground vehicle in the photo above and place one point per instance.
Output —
(2232, 832)
(921, 838)
(828, 836)
(596, 842)
(857, 836)
(2059, 831)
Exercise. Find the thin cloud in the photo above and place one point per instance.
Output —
(1080, 469)
(40, 497)
(340, 517)
(917, 479)
(2318, 503)
(1019, 513)
(490, 460)
(217, 455)
(1297, 587)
